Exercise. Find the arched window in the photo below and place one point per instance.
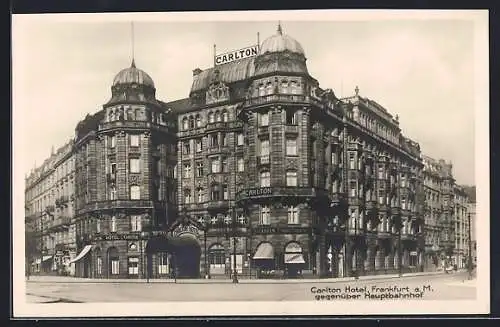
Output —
(113, 261)
(199, 193)
(215, 192)
(198, 121)
(185, 123)
(218, 117)
(262, 90)
(225, 116)
(187, 196)
(112, 227)
(269, 88)
(284, 86)
(191, 122)
(211, 117)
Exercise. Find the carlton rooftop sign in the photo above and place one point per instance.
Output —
(237, 55)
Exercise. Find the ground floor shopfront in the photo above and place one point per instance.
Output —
(269, 252)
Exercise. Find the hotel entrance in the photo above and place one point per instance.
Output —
(186, 256)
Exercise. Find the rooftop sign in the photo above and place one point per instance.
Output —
(237, 55)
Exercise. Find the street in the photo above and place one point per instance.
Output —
(436, 287)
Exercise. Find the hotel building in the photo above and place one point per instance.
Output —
(259, 172)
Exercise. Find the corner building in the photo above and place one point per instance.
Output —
(307, 183)
(259, 169)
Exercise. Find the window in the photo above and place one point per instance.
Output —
(293, 215)
(265, 215)
(187, 170)
(215, 165)
(223, 139)
(98, 226)
(217, 259)
(264, 119)
(225, 116)
(218, 116)
(381, 172)
(134, 140)
(115, 266)
(241, 219)
(113, 224)
(403, 203)
(225, 192)
(162, 263)
(112, 141)
(269, 88)
(265, 179)
(199, 169)
(352, 164)
(199, 192)
(214, 140)
(135, 223)
(186, 148)
(112, 193)
(224, 165)
(135, 165)
(264, 147)
(187, 196)
(191, 122)
(353, 185)
(381, 196)
(241, 165)
(291, 178)
(294, 87)
(335, 186)
(135, 192)
(240, 139)
(291, 117)
(291, 147)
(199, 145)
(215, 193)
(211, 117)
(133, 265)
(99, 265)
(403, 180)
(334, 158)
(185, 123)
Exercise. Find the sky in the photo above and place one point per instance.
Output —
(421, 70)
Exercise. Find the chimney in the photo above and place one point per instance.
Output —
(196, 72)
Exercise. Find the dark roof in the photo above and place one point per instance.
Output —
(231, 72)
(179, 106)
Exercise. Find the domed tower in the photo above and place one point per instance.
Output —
(283, 190)
(130, 194)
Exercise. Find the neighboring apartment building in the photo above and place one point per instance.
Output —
(49, 206)
(260, 164)
(446, 216)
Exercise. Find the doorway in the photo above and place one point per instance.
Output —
(186, 258)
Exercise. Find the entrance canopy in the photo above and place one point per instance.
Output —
(294, 258)
(264, 251)
(84, 252)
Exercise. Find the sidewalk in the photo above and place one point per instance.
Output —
(65, 279)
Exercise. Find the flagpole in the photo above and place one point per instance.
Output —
(215, 54)
(258, 42)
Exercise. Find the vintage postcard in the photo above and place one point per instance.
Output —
(251, 163)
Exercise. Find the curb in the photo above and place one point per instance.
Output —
(229, 281)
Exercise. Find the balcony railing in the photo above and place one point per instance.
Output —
(264, 160)
(292, 129)
(281, 98)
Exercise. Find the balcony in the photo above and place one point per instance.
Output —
(218, 204)
(134, 150)
(133, 125)
(116, 204)
(382, 233)
(292, 129)
(263, 130)
(211, 127)
(264, 160)
(281, 98)
(60, 223)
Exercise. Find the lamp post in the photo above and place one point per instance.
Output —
(235, 271)
(205, 228)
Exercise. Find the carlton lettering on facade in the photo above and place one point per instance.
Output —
(237, 55)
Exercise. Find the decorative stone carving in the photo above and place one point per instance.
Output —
(291, 163)
(226, 179)
(134, 179)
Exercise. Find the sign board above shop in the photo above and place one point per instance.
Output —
(236, 55)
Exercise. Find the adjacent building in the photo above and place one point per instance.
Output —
(259, 172)
(49, 210)
(446, 217)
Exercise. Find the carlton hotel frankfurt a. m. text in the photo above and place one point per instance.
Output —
(259, 173)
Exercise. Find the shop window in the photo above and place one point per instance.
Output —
(133, 266)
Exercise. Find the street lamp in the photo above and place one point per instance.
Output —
(235, 271)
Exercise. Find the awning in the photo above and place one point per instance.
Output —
(294, 258)
(264, 251)
(46, 257)
(85, 250)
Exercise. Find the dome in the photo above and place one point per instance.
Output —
(133, 75)
(281, 42)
